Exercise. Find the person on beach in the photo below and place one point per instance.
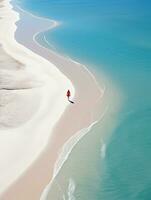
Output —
(68, 96)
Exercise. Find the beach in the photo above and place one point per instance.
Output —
(99, 146)
(40, 119)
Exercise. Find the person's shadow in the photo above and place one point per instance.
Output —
(71, 101)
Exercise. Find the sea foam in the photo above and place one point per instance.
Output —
(71, 189)
(103, 149)
(66, 150)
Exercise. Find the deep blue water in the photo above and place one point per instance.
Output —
(113, 36)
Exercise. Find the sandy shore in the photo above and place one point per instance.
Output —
(32, 99)
(31, 184)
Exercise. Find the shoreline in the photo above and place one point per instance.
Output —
(22, 178)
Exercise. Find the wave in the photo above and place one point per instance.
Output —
(47, 42)
(65, 152)
(71, 189)
(103, 149)
(68, 147)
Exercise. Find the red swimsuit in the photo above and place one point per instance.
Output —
(68, 93)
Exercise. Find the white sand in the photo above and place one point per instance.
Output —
(32, 99)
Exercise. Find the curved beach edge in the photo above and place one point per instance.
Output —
(50, 85)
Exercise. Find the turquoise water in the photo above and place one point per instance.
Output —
(113, 36)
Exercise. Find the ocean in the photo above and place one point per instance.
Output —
(112, 37)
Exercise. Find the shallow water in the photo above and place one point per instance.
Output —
(113, 37)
